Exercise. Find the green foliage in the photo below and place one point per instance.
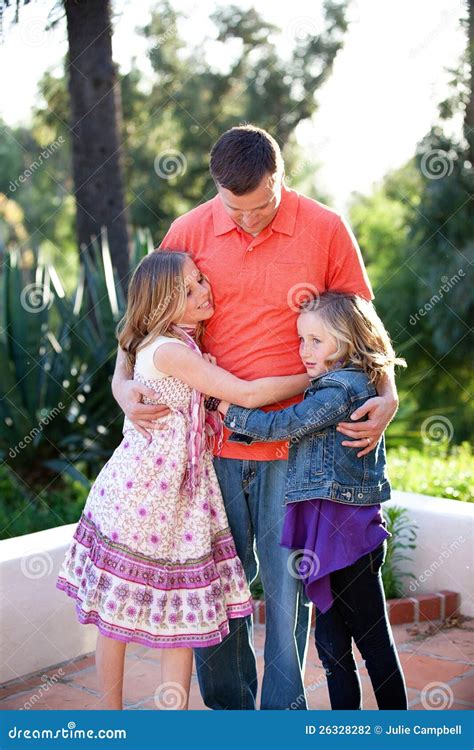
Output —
(415, 232)
(434, 471)
(58, 352)
(24, 512)
(403, 538)
(188, 105)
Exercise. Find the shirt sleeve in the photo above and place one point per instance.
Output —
(174, 238)
(346, 269)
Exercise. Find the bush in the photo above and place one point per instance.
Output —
(433, 471)
(58, 352)
(403, 536)
(23, 512)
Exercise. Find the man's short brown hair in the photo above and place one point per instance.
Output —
(242, 156)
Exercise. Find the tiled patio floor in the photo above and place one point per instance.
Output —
(429, 656)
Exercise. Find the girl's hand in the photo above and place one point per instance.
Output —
(210, 358)
(223, 407)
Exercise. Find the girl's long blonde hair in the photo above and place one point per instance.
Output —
(156, 301)
(361, 336)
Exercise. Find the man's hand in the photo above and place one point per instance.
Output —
(144, 416)
(381, 411)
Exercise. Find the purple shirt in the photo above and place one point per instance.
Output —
(333, 536)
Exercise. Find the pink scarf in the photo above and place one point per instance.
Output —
(204, 426)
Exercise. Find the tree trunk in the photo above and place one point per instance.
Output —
(96, 111)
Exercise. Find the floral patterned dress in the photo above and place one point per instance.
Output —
(150, 561)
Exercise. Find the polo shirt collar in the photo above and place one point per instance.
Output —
(284, 221)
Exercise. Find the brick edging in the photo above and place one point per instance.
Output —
(420, 608)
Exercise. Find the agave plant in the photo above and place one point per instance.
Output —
(403, 537)
(57, 413)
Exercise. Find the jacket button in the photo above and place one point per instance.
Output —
(232, 424)
(360, 495)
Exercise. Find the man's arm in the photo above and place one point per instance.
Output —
(380, 410)
(128, 394)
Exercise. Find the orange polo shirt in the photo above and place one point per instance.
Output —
(257, 283)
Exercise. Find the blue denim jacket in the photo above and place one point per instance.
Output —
(318, 465)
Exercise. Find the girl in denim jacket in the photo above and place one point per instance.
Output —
(333, 520)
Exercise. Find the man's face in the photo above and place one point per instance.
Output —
(254, 211)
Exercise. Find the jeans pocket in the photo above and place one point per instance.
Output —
(377, 558)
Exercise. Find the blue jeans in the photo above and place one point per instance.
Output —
(359, 612)
(253, 494)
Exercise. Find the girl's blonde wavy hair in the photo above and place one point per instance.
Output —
(360, 334)
(156, 301)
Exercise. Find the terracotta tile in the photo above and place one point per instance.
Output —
(420, 670)
(464, 689)
(318, 699)
(58, 697)
(454, 707)
(448, 645)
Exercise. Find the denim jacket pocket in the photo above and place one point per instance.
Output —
(317, 448)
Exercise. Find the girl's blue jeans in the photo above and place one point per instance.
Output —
(253, 494)
(359, 612)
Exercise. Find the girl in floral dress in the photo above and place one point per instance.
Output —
(152, 560)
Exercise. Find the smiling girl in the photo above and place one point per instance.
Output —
(153, 560)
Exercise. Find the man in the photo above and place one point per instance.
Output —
(264, 248)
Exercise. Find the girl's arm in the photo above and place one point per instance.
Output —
(327, 406)
(181, 362)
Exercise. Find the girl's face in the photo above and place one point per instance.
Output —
(199, 304)
(316, 344)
